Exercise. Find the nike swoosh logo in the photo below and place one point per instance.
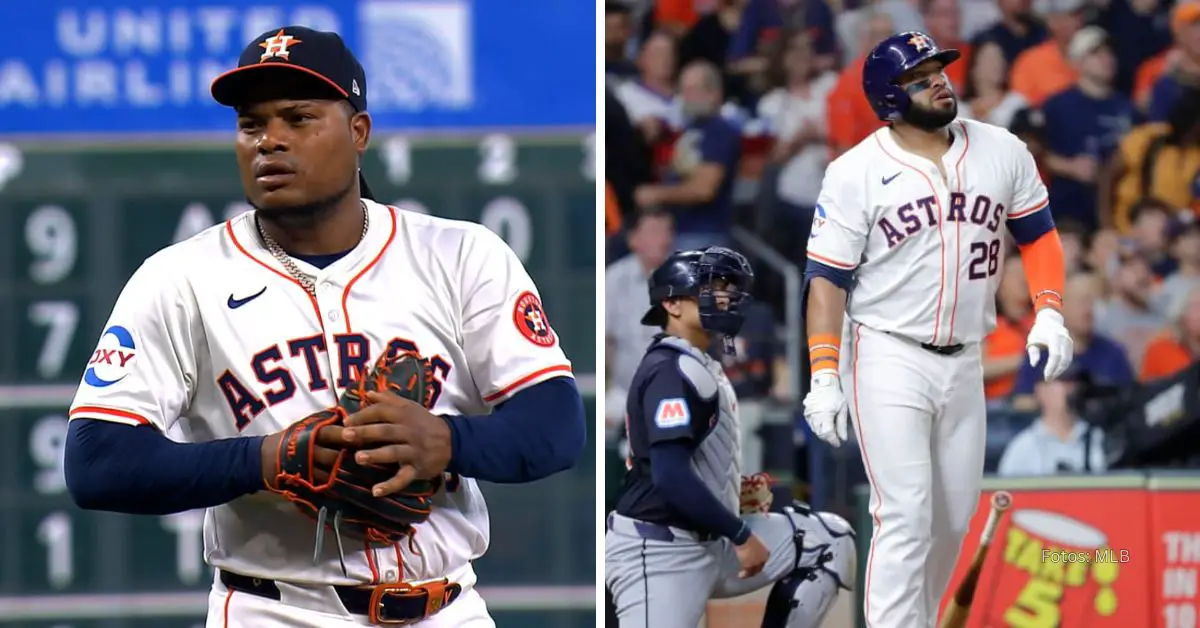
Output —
(887, 180)
(236, 303)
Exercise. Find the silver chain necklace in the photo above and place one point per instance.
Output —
(285, 260)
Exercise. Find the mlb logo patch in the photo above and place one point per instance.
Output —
(672, 413)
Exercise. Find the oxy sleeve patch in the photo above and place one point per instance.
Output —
(113, 359)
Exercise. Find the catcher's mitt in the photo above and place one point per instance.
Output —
(756, 494)
(343, 503)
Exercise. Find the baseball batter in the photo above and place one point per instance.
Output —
(244, 329)
(904, 261)
(676, 539)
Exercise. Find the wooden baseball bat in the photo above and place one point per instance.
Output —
(960, 606)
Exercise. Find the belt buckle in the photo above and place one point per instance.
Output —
(378, 613)
(435, 600)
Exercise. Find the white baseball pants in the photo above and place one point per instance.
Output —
(920, 419)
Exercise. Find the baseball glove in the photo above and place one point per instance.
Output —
(756, 494)
(343, 502)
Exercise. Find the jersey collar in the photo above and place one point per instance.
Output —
(950, 160)
(382, 231)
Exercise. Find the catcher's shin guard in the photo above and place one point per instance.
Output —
(826, 560)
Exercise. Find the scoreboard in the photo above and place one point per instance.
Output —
(75, 222)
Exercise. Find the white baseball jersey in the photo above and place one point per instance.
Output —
(212, 333)
(926, 248)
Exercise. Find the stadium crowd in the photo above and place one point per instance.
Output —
(721, 116)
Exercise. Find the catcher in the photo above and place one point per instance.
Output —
(676, 538)
(344, 372)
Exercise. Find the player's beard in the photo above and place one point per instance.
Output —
(306, 215)
(928, 119)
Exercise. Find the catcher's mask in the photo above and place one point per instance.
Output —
(718, 278)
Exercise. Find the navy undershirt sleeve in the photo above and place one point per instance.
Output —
(1029, 228)
(840, 277)
(671, 472)
(137, 470)
(536, 433)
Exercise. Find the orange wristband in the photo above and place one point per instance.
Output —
(824, 352)
(1047, 298)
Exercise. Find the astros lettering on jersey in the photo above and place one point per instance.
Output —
(213, 334)
(926, 249)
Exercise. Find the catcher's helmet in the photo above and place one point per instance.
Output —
(691, 274)
(890, 59)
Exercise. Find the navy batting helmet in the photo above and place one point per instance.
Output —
(892, 58)
(691, 274)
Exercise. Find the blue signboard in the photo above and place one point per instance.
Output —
(144, 66)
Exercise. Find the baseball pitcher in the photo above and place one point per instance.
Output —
(676, 539)
(904, 255)
(344, 371)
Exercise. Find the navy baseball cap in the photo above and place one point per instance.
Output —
(321, 55)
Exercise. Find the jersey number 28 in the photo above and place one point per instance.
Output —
(985, 259)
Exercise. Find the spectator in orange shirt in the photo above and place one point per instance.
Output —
(1177, 347)
(851, 118)
(1044, 70)
(1183, 16)
(675, 16)
(943, 22)
(1004, 348)
(1147, 75)
(1182, 70)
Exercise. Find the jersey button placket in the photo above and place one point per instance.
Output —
(327, 296)
(952, 291)
(329, 301)
(948, 269)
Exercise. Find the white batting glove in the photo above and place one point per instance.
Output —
(1050, 334)
(825, 408)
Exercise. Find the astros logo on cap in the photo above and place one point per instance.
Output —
(277, 46)
(918, 42)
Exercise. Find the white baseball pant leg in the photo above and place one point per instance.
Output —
(901, 398)
(959, 448)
